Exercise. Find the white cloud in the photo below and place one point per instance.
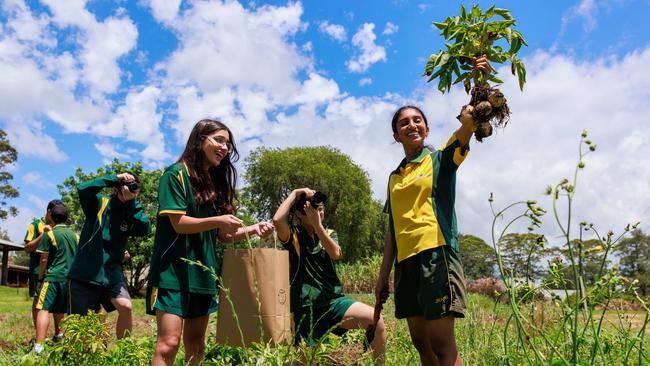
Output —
(110, 152)
(585, 10)
(390, 28)
(365, 81)
(164, 10)
(369, 52)
(335, 31)
(32, 141)
(36, 179)
(37, 201)
(17, 226)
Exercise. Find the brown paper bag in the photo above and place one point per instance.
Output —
(249, 275)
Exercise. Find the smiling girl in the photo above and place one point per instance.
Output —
(196, 198)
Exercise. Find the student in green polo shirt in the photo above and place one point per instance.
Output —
(422, 240)
(95, 275)
(317, 301)
(196, 198)
(33, 237)
(56, 248)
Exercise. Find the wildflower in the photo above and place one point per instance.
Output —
(584, 133)
(592, 148)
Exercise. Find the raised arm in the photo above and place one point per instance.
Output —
(88, 192)
(281, 217)
(31, 245)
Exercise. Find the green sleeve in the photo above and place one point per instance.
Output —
(334, 236)
(44, 245)
(172, 194)
(140, 225)
(451, 155)
(88, 193)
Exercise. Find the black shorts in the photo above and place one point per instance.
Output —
(86, 296)
(430, 284)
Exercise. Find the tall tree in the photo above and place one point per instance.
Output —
(478, 257)
(272, 174)
(588, 257)
(635, 259)
(8, 156)
(139, 248)
(523, 255)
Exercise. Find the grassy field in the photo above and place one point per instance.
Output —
(482, 336)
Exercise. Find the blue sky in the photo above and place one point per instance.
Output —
(86, 81)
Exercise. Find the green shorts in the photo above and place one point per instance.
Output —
(53, 297)
(430, 284)
(325, 318)
(187, 305)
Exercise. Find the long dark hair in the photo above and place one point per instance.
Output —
(218, 186)
(393, 123)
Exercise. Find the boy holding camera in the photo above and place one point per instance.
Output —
(317, 300)
(96, 277)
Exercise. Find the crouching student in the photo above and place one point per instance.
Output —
(317, 301)
(57, 248)
(96, 278)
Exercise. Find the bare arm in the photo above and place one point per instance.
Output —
(261, 229)
(330, 246)
(381, 289)
(42, 266)
(281, 217)
(184, 224)
(31, 246)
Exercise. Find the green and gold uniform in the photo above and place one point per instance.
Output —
(60, 243)
(33, 231)
(317, 300)
(429, 280)
(97, 266)
(176, 286)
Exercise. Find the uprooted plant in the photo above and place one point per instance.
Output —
(473, 35)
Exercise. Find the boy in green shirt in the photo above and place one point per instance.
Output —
(35, 232)
(56, 248)
(96, 272)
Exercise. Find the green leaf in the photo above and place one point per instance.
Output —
(436, 74)
(440, 25)
(463, 12)
(476, 11)
(462, 77)
(505, 13)
(521, 74)
(514, 46)
(495, 79)
(508, 35)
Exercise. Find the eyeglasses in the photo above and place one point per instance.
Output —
(220, 140)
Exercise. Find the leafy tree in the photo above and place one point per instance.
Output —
(272, 174)
(478, 257)
(139, 248)
(523, 255)
(635, 259)
(8, 156)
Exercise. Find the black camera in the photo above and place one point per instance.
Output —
(316, 200)
(133, 187)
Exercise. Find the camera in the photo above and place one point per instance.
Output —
(316, 200)
(133, 187)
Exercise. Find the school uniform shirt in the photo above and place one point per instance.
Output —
(60, 243)
(109, 223)
(167, 269)
(34, 229)
(421, 198)
(312, 273)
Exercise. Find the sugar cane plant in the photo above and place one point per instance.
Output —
(578, 336)
(471, 35)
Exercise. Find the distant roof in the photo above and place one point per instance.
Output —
(11, 245)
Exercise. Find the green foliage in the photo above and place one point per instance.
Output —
(477, 256)
(84, 343)
(8, 156)
(361, 276)
(139, 248)
(578, 335)
(522, 255)
(473, 34)
(635, 259)
(272, 174)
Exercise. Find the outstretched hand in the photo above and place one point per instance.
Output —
(482, 64)
(263, 229)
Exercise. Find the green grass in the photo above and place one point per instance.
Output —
(482, 338)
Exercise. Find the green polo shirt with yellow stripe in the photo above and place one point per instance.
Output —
(168, 270)
(108, 224)
(34, 229)
(421, 196)
(60, 243)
